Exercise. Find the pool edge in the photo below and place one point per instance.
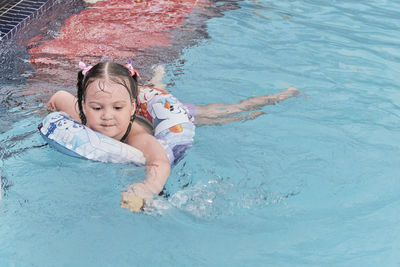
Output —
(23, 22)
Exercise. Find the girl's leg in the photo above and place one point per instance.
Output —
(66, 102)
(222, 120)
(217, 113)
(156, 80)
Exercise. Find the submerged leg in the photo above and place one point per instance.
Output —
(222, 120)
(156, 80)
(217, 113)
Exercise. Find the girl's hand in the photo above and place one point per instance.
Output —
(134, 200)
(131, 202)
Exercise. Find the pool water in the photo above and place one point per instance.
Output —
(314, 181)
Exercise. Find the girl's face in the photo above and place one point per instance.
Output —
(108, 110)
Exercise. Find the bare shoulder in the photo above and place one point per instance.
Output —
(140, 136)
(141, 139)
(140, 127)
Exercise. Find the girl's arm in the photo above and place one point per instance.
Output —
(157, 164)
(157, 172)
(66, 102)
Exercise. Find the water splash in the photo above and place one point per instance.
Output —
(220, 196)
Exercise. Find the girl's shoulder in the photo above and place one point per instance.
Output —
(141, 137)
(139, 128)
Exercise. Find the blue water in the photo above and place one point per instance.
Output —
(313, 182)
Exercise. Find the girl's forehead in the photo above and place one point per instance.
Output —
(106, 88)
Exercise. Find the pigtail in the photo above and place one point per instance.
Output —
(80, 96)
(135, 76)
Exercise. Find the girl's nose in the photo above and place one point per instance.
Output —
(106, 115)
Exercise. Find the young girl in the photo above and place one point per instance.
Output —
(107, 103)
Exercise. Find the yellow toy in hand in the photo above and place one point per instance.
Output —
(132, 202)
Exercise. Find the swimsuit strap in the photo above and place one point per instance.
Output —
(128, 130)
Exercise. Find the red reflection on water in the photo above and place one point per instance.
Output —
(113, 28)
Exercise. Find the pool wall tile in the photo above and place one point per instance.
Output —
(16, 14)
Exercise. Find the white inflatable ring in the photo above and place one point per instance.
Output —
(173, 128)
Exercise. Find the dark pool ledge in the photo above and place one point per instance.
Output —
(16, 14)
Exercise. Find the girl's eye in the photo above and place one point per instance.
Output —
(96, 108)
(118, 108)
